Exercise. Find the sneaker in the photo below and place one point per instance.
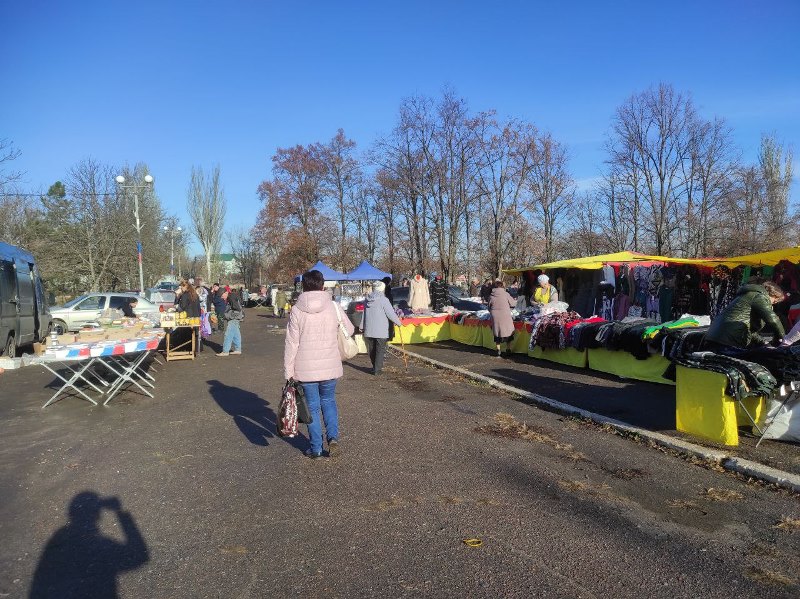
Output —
(223, 353)
(236, 352)
(309, 453)
(499, 354)
(333, 447)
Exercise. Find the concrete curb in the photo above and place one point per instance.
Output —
(768, 474)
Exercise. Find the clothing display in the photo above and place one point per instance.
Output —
(419, 297)
(438, 293)
(548, 330)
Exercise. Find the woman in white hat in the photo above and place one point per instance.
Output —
(545, 292)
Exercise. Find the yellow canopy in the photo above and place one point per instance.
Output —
(590, 262)
(770, 258)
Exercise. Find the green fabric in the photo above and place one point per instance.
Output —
(748, 313)
(681, 323)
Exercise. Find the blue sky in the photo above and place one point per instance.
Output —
(177, 84)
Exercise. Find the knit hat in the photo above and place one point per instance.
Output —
(378, 286)
(543, 279)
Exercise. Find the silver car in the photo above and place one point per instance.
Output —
(73, 315)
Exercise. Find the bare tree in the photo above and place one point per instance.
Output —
(207, 207)
(652, 133)
(8, 153)
(775, 162)
(551, 186)
(506, 157)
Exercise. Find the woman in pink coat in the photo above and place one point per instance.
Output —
(311, 357)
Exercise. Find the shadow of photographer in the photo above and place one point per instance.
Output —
(79, 561)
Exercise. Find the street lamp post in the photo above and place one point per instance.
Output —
(172, 232)
(148, 180)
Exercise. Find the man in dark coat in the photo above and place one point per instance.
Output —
(748, 313)
(438, 289)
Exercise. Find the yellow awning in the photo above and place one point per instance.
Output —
(590, 262)
(770, 258)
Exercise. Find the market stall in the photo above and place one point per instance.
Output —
(101, 365)
(422, 329)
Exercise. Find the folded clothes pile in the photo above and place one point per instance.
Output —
(782, 362)
(676, 343)
(626, 336)
(547, 331)
(745, 379)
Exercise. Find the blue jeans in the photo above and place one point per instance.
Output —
(233, 336)
(322, 396)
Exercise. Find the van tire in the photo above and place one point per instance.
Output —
(10, 349)
(59, 326)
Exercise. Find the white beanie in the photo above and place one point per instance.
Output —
(543, 279)
(378, 286)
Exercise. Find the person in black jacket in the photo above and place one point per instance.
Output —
(219, 305)
(438, 289)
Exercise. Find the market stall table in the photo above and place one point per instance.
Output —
(123, 361)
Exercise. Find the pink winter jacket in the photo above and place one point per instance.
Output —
(311, 351)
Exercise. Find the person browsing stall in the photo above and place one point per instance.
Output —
(500, 304)
(128, 307)
(748, 314)
(545, 292)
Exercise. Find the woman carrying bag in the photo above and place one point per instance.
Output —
(311, 357)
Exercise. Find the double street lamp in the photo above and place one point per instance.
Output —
(148, 182)
(172, 232)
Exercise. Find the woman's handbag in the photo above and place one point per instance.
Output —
(348, 348)
(293, 409)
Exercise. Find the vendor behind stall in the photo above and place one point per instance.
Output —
(545, 292)
(128, 307)
(745, 316)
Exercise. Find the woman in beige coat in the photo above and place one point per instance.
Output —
(500, 304)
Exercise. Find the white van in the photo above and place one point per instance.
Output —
(24, 317)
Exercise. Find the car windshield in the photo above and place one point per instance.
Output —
(71, 303)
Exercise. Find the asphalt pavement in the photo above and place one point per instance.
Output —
(192, 494)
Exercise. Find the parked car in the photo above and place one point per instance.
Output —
(73, 315)
(169, 286)
(24, 317)
(161, 297)
(355, 310)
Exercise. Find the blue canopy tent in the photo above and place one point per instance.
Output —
(327, 272)
(366, 272)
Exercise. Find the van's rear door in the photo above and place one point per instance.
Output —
(26, 296)
(8, 300)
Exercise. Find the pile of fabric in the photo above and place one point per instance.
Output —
(548, 331)
(676, 343)
(626, 335)
(745, 379)
(581, 334)
(782, 362)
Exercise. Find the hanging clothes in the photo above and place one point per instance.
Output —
(419, 297)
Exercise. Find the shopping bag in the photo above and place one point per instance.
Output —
(348, 348)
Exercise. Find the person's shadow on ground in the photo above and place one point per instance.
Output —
(255, 419)
(78, 561)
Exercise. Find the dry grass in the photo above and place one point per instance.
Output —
(721, 494)
(576, 486)
(788, 523)
(682, 504)
(769, 577)
(506, 425)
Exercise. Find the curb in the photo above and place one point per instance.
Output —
(749, 468)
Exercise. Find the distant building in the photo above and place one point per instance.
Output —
(227, 264)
